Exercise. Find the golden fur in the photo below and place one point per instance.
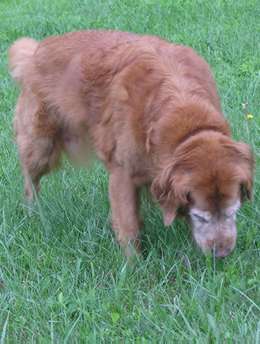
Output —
(150, 110)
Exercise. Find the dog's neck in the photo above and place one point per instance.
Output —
(184, 122)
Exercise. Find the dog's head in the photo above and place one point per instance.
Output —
(210, 176)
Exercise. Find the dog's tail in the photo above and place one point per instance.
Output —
(20, 56)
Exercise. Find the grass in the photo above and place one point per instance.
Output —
(62, 276)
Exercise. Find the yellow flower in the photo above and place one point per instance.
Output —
(249, 116)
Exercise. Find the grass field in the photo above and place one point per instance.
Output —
(62, 276)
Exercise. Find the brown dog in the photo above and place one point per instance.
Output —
(150, 110)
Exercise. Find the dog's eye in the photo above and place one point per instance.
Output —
(200, 218)
(230, 215)
(232, 211)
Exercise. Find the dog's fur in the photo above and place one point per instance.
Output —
(150, 110)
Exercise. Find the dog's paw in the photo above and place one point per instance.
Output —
(29, 208)
(132, 251)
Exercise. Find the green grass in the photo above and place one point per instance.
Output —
(62, 276)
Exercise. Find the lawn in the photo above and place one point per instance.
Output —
(63, 278)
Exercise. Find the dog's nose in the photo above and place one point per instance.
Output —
(221, 253)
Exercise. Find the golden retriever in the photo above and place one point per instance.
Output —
(150, 110)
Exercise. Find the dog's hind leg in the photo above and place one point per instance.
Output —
(38, 144)
(38, 157)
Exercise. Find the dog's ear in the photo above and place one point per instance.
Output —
(244, 166)
(171, 188)
(246, 170)
(169, 213)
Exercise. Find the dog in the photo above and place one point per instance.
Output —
(151, 112)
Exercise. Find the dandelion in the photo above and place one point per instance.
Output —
(249, 116)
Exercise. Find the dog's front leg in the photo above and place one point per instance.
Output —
(124, 204)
